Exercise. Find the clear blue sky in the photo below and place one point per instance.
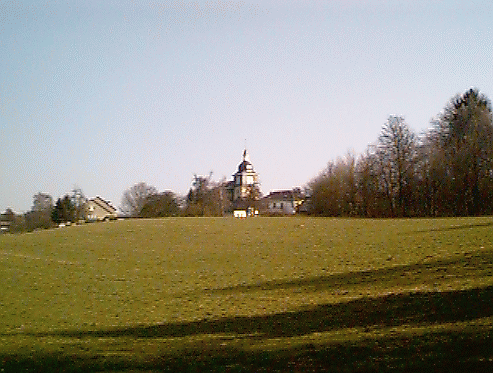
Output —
(105, 94)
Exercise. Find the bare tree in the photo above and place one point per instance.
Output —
(369, 191)
(396, 151)
(79, 201)
(135, 198)
(448, 171)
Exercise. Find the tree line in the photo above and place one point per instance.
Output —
(206, 197)
(447, 171)
(45, 214)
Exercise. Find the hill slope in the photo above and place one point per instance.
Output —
(247, 295)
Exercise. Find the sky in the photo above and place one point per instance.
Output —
(101, 95)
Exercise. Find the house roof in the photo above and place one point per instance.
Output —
(283, 195)
(105, 205)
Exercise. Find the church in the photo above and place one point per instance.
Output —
(244, 189)
(247, 200)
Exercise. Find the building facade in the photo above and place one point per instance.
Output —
(283, 202)
(245, 180)
(98, 209)
(244, 189)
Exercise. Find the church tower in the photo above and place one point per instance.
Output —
(245, 181)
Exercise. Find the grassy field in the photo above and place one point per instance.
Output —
(262, 294)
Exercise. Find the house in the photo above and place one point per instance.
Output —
(6, 220)
(246, 208)
(283, 202)
(4, 226)
(244, 191)
(97, 209)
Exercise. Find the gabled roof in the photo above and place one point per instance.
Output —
(281, 195)
(286, 195)
(105, 205)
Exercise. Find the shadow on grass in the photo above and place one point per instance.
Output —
(433, 352)
(455, 227)
(385, 311)
(437, 352)
(430, 352)
(469, 264)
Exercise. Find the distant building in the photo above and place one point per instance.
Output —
(97, 209)
(283, 202)
(4, 225)
(244, 189)
(245, 196)
(6, 220)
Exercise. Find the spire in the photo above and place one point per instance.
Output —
(246, 157)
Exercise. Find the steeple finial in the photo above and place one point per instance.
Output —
(246, 157)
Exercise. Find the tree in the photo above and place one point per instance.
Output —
(207, 197)
(217, 202)
(64, 210)
(135, 198)
(17, 223)
(8, 215)
(160, 205)
(370, 199)
(79, 201)
(42, 202)
(448, 171)
(324, 192)
(396, 149)
(430, 179)
(463, 137)
(40, 214)
(197, 195)
(333, 192)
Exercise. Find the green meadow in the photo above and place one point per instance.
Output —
(260, 294)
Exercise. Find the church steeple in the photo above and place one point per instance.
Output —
(246, 157)
(245, 179)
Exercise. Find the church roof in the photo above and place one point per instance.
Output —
(245, 165)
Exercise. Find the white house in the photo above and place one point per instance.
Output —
(283, 202)
(97, 209)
